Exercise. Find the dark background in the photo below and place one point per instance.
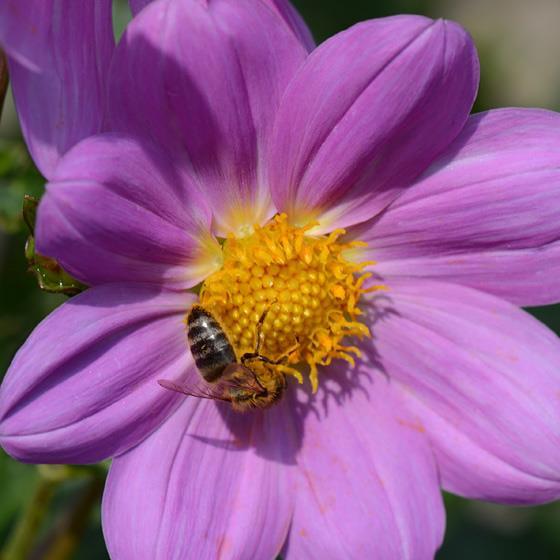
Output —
(518, 45)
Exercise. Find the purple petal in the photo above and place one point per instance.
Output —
(204, 80)
(84, 385)
(119, 211)
(137, 5)
(295, 22)
(282, 7)
(210, 483)
(366, 114)
(24, 30)
(483, 378)
(59, 54)
(486, 214)
(369, 485)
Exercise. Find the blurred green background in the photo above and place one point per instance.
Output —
(518, 44)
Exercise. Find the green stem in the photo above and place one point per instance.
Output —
(23, 537)
(65, 536)
(62, 539)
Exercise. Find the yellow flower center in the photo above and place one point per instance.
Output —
(304, 285)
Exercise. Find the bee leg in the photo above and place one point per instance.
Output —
(259, 329)
(248, 356)
(285, 356)
(255, 355)
(259, 332)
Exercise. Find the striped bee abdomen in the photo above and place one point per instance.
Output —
(210, 347)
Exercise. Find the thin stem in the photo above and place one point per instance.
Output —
(23, 537)
(65, 535)
(62, 539)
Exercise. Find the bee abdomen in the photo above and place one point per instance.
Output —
(212, 357)
(210, 347)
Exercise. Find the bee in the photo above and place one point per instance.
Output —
(248, 382)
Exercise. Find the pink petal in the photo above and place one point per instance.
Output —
(295, 22)
(203, 80)
(369, 486)
(59, 54)
(210, 483)
(137, 5)
(84, 385)
(483, 378)
(367, 113)
(282, 7)
(120, 211)
(24, 30)
(486, 214)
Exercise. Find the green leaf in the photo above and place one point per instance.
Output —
(30, 204)
(51, 277)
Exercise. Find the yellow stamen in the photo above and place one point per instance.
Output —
(307, 286)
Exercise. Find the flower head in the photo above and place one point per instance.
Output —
(339, 211)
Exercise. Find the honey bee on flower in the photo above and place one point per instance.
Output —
(354, 244)
(248, 382)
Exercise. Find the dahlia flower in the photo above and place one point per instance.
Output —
(343, 193)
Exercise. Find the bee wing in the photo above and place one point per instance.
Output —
(201, 392)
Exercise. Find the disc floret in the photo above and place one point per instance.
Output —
(308, 288)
